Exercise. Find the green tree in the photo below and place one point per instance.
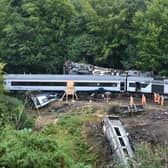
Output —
(152, 36)
(82, 48)
(38, 36)
(111, 23)
(11, 109)
(33, 35)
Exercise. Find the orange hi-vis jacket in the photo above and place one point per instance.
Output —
(155, 98)
(131, 101)
(143, 101)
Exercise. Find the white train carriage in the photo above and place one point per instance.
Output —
(139, 84)
(166, 86)
(24, 82)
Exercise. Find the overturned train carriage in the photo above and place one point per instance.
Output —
(118, 140)
(87, 83)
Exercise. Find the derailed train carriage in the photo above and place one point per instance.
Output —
(85, 83)
(58, 82)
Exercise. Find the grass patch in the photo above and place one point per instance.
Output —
(70, 136)
(150, 156)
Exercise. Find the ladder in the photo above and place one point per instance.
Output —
(69, 91)
(118, 140)
(134, 109)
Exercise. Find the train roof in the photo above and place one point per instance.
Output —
(140, 78)
(41, 77)
(158, 81)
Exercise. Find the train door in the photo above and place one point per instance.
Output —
(122, 86)
(137, 87)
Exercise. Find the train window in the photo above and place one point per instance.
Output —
(138, 85)
(114, 84)
(144, 85)
(108, 84)
(44, 100)
(121, 141)
(117, 130)
(20, 83)
(85, 84)
(96, 84)
(132, 85)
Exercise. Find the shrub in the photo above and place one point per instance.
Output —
(45, 149)
(145, 157)
(12, 112)
(25, 149)
(71, 138)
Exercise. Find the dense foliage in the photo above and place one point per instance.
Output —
(147, 156)
(38, 36)
(60, 145)
(12, 112)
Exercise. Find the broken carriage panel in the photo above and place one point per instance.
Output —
(118, 140)
(41, 100)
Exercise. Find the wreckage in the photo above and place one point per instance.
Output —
(75, 68)
(118, 140)
(88, 69)
(40, 100)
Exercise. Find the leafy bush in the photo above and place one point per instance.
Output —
(145, 157)
(71, 138)
(55, 146)
(25, 149)
(12, 112)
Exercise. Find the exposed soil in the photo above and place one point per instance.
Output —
(151, 126)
